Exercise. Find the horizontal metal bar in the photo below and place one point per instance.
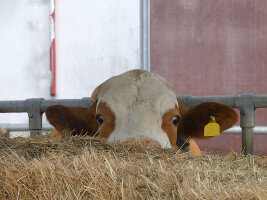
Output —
(47, 127)
(260, 101)
(21, 106)
(84, 102)
(227, 100)
(12, 106)
(238, 130)
(22, 127)
(195, 100)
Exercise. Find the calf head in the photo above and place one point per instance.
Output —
(140, 105)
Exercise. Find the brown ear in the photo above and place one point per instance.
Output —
(195, 119)
(78, 121)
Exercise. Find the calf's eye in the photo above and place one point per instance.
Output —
(100, 119)
(175, 120)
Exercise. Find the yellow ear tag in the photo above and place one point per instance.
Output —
(212, 128)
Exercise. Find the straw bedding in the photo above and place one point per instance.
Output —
(90, 168)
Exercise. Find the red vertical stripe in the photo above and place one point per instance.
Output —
(53, 58)
(53, 68)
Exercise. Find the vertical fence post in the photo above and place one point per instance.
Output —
(145, 34)
(35, 115)
(245, 103)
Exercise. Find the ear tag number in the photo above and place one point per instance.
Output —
(212, 128)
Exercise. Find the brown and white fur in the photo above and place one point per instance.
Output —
(140, 105)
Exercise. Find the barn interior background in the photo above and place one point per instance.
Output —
(200, 47)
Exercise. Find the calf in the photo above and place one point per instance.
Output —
(140, 105)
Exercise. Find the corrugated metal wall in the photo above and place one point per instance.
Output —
(206, 47)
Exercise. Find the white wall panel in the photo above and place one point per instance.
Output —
(24, 52)
(24, 49)
(94, 40)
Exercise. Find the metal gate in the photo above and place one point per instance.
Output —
(246, 103)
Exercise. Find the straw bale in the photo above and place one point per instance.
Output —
(90, 168)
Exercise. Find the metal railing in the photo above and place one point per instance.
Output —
(246, 103)
(47, 127)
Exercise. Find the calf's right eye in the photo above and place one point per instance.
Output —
(100, 119)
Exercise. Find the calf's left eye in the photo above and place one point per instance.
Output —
(175, 120)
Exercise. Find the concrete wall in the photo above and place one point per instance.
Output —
(94, 40)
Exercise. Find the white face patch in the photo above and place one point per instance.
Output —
(139, 100)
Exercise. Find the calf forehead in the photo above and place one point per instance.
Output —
(135, 90)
